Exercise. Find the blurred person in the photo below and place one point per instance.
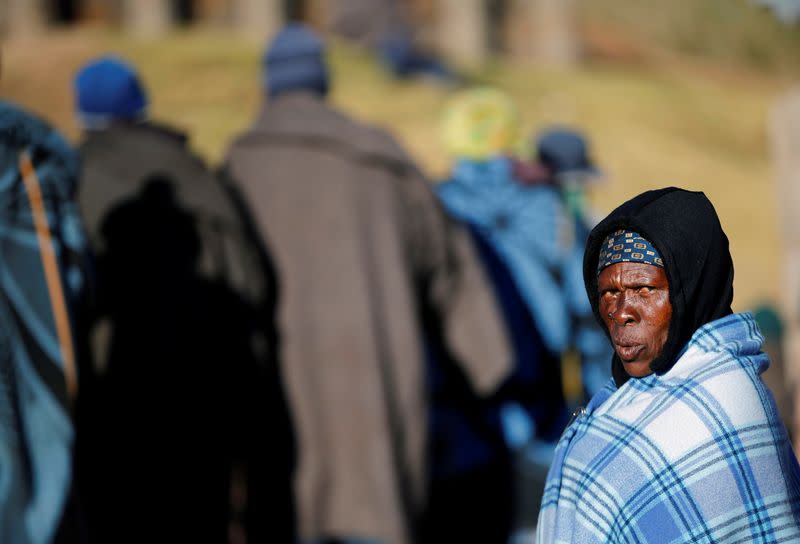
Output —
(533, 214)
(43, 280)
(188, 408)
(384, 26)
(371, 273)
(685, 443)
(565, 166)
(517, 231)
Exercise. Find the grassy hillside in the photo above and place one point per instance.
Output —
(654, 123)
(734, 33)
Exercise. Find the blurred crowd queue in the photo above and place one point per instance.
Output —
(313, 344)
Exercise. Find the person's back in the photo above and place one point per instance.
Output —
(519, 232)
(563, 157)
(367, 266)
(183, 293)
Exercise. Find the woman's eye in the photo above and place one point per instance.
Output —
(645, 290)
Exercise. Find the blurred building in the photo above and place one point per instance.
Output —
(468, 30)
(147, 17)
(785, 138)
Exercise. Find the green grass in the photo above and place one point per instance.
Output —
(656, 123)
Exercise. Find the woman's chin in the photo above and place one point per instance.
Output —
(637, 369)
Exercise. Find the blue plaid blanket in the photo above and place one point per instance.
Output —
(697, 454)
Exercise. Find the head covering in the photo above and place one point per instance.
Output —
(625, 246)
(684, 229)
(108, 89)
(479, 123)
(295, 61)
(565, 151)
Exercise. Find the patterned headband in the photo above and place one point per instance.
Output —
(624, 246)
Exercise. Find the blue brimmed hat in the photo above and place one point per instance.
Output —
(564, 151)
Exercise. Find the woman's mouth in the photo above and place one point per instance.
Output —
(628, 352)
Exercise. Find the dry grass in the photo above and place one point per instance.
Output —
(651, 124)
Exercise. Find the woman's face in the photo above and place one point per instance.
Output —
(634, 304)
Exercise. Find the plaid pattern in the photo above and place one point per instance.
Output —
(695, 455)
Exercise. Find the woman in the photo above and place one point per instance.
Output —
(685, 444)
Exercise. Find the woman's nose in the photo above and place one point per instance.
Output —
(624, 312)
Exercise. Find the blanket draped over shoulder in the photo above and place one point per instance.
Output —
(697, 454)
(42, 275)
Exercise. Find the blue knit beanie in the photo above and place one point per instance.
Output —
(295, 61)
(108, 89)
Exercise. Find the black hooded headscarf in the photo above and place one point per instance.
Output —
(685, 229)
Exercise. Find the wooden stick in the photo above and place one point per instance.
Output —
(51, 272)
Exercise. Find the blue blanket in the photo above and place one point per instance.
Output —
(542, 247)
(697, 454)
(35, 428)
